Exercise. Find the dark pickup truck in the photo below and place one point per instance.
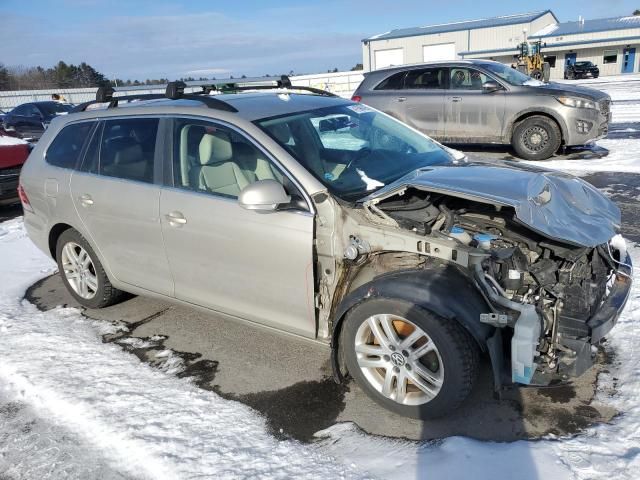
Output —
(581, 70)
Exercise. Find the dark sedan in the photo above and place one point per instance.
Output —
(29, 120)
(581, 70)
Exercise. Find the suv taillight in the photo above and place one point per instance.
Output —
(24, 199)
(356, 98)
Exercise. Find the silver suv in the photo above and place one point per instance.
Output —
(326, 219)
(480, 102)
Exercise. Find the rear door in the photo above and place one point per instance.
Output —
(472, 116)
(422, 100)
(257, 266)
(384, 96)
(116, 193)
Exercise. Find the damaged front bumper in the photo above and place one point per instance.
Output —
(579, 354)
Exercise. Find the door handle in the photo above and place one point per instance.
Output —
(86, 200)
(456, 99)
(175, 219)
(401, 99)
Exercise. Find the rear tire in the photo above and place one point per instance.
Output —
(536, 138)
(537, 74)
(82, 273)
(430, 376)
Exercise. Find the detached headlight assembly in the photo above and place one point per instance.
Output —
(577, 102)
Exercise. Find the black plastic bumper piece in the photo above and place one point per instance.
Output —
(607, 315)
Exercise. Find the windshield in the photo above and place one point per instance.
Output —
(53, 108)
(510, 75)
(583, 64)
(353, 149)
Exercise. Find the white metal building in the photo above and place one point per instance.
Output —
(611, 43)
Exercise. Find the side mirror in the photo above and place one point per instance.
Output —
(263, 196)
(490, 87)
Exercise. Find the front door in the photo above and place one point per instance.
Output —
(628, 60)
(472, 116)
(257, 266)
(118, 202)
(570, 59)
(423, 100)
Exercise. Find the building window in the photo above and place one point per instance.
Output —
(551, 60)
(610, 56)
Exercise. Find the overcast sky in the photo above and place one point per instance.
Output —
(161, 38)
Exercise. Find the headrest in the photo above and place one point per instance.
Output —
(122, 150)
(131, 154)
(215, 147)
(281, 132)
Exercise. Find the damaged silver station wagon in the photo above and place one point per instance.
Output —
(306, 213)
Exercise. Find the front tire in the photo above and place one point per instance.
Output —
(536, 138)
(82, 273)
(408, 359)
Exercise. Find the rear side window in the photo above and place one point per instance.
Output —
(426, 79)
(65, 149)
(394, 82)
(127, 149)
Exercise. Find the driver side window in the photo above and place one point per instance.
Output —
(467, 79)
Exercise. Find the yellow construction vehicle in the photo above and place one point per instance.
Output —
(531, 61)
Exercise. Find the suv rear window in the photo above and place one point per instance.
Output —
(394, 82)
(65, 149)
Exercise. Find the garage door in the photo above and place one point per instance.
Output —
(387, 58)
(444, 51)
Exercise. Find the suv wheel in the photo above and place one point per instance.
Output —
(407, 359)
(82, 272)
(536, 138)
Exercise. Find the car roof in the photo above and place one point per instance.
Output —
(249, 105)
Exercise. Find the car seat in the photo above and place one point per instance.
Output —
(218, 172)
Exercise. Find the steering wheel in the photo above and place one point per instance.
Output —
(360, 154)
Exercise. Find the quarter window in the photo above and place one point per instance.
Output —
(466, 79)
(429, 78)
(394, 82)
(610, 56)
(127, 149)
(65, 149)
(214, 159)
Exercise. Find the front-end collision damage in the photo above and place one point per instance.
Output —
(543, 275)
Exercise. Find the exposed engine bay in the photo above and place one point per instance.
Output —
(545, 290)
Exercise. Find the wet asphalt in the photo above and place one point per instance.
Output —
(289, 380)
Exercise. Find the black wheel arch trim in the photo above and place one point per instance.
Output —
(437, 290)
(530, 112)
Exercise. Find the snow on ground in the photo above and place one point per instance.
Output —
(602, 452)
(624, 156)
(74, 407)
(91, 402)
(6, 140)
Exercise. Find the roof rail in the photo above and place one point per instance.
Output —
(174, 91)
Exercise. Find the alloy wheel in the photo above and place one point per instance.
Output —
(399, 359)
(79, 270)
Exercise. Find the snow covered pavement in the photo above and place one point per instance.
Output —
(74, 407)
(93, 404)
